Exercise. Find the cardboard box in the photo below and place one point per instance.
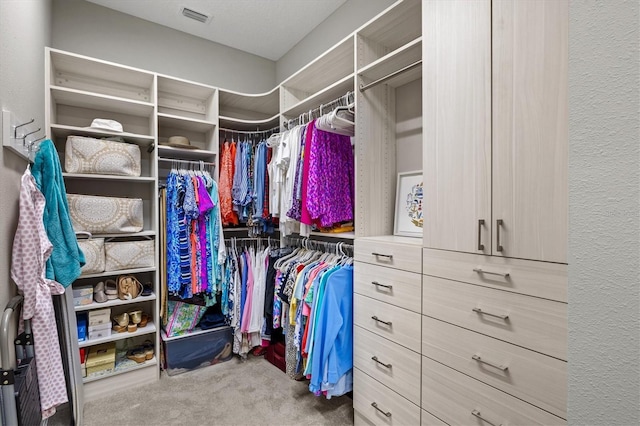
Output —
(83, 300)
(82, 290)
(198, 349)
(100, 316)
(98, 333)
(101, 359)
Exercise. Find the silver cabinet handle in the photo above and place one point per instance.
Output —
(499, 223)
(482, 271)
(480, 225)
(375, 358)
(481, 312)
(375, 318)
(499, 367)
(386, 413)
(377, 284)
(388, 256)
(477, 414)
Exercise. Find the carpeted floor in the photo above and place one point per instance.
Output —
(236, 392)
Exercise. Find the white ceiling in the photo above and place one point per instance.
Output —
(267, 28)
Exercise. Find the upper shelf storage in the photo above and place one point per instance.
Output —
(394, 28)
(186, 99)
(313, 84)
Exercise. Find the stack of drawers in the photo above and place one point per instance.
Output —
(494, 340)
(387, 335)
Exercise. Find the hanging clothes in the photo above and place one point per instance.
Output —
(31, 250)
(227, 171)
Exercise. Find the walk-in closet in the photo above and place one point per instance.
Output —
(336, 212)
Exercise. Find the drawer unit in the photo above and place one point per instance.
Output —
(530, 322)
(459, 399)
(380, 405)
(396, 324)
(540, 279)
(399, 288)
(395, 252)
(389, 363)
(528, 375)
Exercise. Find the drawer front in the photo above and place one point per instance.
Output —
(390, 408)
(396, 324)
(455, 397)
(528, 375)
(430, 420)
(536, 324)
(398, 255)
(540, 279)
(400, 288)
(389, 363)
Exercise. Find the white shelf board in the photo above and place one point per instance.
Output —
(149, 363)
(116, 273)
(393, 61)
(190, 89)
(82, 99)
(150, 328)
(328, 94)
(344, 235)
(63, 131)
(134, 179)
(264, 103)
(114, 302)
(169, 152)
(184, 123)
(241, 124)
(396, 25)
(330, 66)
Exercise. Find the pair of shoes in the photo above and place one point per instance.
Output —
(143, 320)
(98, 293)
(147, 346)
(147, 289)
(137, 354)
(111, 289)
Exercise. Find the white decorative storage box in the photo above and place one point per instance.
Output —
(105, 215)
(120, 255)
(82, 295)
(197, 349)
(90, 155)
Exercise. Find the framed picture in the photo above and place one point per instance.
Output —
(409, 216)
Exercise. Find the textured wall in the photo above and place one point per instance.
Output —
(88, 29)
(24, 31)
(337, 26)
(604, 250)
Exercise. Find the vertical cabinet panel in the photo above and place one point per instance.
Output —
(530, 54)
(457, 124)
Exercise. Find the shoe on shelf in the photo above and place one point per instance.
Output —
(147, 289)
(147, 347)
(111, 289)
(137, 354)
(122, 319)
(135, 317)
(132, 327)
(119, 328)
(98, 293)
(143, 320)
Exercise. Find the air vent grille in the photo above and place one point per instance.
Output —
(190, 13)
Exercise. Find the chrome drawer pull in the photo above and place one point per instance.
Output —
(375, 358)
(499, 367)
(477, 414)
(482, 271)
(375, 318)
(481, 312)
(377, 284)
(374, 405)
(499, 223)
(389, 256)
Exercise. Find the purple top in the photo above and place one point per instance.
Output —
(330, 189)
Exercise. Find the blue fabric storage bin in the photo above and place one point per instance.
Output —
(197, 349)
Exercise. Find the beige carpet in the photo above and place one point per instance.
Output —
(251, 392)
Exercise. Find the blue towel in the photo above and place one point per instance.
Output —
(66, 259)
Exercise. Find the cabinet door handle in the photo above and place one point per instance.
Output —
(482, 271)
(481, 312)
(480, 360)
(386, 413)
(388, 256)
(375, 358)
(499, 223)
(480, 225)
(377, 284)
(477, 414)
(375, 318)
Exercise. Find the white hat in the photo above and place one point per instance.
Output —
(105, 124)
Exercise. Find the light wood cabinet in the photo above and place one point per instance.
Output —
(495, 102)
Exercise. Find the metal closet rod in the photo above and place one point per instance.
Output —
(250, 132)
(191, 162)
(364, 87)
(339, 101)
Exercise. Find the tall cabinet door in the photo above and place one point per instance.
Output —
(456, 80)
(530, 54)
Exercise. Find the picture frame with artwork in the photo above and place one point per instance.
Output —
(408, 220)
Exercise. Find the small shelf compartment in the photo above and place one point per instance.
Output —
(326, 95)
(114, 302)
(186, 99)
(150, 328)
(398, 59)
(150, 363)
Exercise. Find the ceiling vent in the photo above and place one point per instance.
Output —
(190, 13)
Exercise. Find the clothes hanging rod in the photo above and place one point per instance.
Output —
(364, 87)
(250, 132)
(342, 99)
